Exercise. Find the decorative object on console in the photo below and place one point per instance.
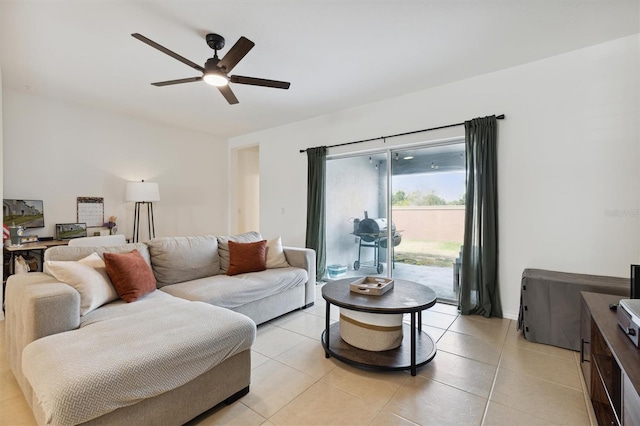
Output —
(143, 193)
(112, 225)
(15, 233)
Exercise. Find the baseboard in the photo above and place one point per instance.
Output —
(510, 315)
(236, 396)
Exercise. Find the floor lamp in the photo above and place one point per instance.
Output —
(143, 193)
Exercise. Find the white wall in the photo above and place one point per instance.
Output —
(57, 152)
(568, 156)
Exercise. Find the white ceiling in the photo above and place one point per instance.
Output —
(336, 54)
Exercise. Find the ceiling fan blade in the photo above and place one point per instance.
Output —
(259, 82)
(182, 80)
(167, 51)
(236, 53)
(228, 94)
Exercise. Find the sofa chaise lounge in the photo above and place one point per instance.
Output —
(165, 358)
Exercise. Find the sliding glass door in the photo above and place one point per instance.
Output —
(356, 215)
(427, 193)
(398, 213)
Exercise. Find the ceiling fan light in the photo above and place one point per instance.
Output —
(215, 79)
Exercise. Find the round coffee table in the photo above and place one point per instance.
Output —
(417, 347)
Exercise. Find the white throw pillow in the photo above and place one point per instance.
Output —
(275, 254)
(89, 277)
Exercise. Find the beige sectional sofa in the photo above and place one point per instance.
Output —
(161, 360)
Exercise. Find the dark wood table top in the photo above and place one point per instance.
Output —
(627, 355)
(404, 297)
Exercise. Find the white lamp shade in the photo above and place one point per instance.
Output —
(142, 191)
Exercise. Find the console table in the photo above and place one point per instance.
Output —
(610, 362)
(38, 247)
(417, 347)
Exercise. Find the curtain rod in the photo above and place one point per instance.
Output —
(498, 117)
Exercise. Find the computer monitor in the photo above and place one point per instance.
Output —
(68, 231)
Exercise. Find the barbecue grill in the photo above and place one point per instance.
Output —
(372, 233)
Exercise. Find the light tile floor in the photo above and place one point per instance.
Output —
(485, 373)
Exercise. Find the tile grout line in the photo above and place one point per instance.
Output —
(251, 409)
(291, 401)
(297, 396)
(527, 375)
(585, 392)
(382, 409)
(542, 353)
(495, 377)
(316, 381)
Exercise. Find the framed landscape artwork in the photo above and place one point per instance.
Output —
(68, 231)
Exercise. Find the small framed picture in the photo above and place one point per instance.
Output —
(68, 231)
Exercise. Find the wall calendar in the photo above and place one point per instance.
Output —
(91, 211)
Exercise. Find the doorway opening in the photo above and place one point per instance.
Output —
(247, 189)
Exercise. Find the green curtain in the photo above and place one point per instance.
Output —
(316, 177)
(479, 289)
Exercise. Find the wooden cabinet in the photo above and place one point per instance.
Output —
(585, 343)
(610, 363)
(631, 411)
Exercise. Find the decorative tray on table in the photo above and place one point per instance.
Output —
(374, 286)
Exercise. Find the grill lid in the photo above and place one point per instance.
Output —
(374, 226)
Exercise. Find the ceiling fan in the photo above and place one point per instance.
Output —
(215, 70)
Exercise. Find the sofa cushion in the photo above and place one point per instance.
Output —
(247, 257)
(130, 275)
(179, 259)
(275, 254)
(232, 292)
(89, 277)
(107, 363)
(223, 246)
(77, 253)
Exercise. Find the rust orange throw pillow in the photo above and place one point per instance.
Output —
(247, 257)
(130, 275)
